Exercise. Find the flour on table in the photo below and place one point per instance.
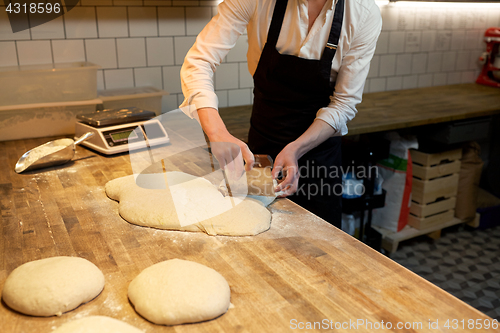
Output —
(188, 203)
(52, 286)
(99, 324)
(178, 291)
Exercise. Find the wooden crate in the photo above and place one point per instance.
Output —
(427, 191)
(429, 221)
(423, 210)
(435, 171)
(426, 159)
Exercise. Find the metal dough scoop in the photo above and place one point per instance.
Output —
(49, 154)
(259, 180)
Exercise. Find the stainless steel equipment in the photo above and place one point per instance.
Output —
(49, 154)
(121, 130)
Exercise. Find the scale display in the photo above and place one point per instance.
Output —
(123, 133)
(123, 136)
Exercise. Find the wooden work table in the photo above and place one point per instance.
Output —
(399, 109)
(301, 270)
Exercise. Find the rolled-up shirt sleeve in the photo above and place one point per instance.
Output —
(211, 46)
(352, 74)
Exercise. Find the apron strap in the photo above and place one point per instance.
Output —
(333, 39)
(276, 22)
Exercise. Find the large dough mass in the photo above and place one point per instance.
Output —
(52, 286)
(189, 203)
(179, 291)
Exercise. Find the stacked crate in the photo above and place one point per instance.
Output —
(434, 190)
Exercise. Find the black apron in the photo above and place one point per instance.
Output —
(288, 92)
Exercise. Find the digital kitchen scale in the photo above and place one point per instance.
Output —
(121, 130)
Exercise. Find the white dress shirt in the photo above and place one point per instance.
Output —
(350, 66)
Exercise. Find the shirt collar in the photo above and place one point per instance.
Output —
(331, 5)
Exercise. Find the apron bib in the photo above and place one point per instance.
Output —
(288, 92)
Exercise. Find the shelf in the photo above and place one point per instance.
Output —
(391, 239)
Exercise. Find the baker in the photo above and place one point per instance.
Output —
(309, 60)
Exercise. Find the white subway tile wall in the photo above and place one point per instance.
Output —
(387, 65)
(410, 82)
(131, 52)
(239, 97)
(171, 79)
(142, 42)
(8, 54)
(100, 80)
(68, 50)
(394, 83)
(160, 51)
(119, 78)
(112, 22)
(172, 21)
(50, 30)
(246, 80)
(6, 31)
(148, 76)
(142, 21)
(196, 19)
(102, 52)
(374, 66)
(181, 47)
(34, 52)
(80, 22)
(403, 64)
(378, 84)
(222, 97)
(419, 63)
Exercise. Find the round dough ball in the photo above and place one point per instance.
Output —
(99, 324)
(52, 286)
(179, 291)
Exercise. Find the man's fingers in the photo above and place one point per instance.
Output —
(230, 169)
(235, 167)
(288, 190)
(229, 156)
(248, 157)
(289, 180)
(239, 166)
(277, 168)
(283, 185)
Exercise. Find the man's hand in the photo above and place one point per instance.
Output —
(229, 151)
(287, 163)
(287, 159)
